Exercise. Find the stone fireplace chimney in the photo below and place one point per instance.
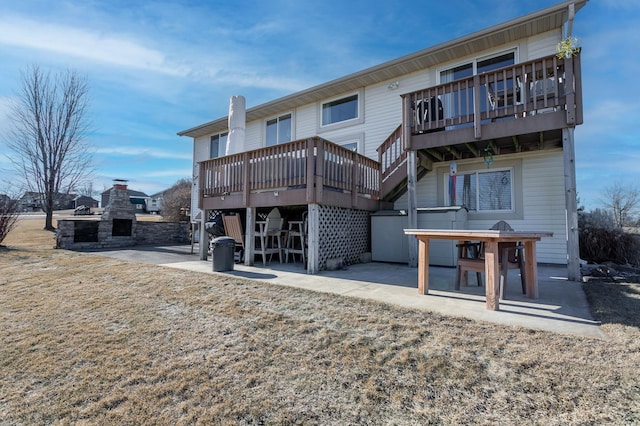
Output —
(120, 212)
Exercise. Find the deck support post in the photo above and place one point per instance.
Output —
(203, 238)
(313, 233)
(412, 177)
(571, 203)
(249, 236)
(412, 212)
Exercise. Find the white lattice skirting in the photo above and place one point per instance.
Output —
(343, 234)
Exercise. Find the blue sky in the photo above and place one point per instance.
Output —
(156, 68)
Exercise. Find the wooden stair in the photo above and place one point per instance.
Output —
(393, 162)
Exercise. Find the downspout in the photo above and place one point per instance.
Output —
(570, 16)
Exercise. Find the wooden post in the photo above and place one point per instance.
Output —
(423, 266)
(531, 269)
(571, 202)
(313, 225)
(477, 126)
(203, 245)
(492, 275)
(249, 236)
(570, 92)
(577, 77)
(355, 185)
(412, 212)
(246, 172)
(319, 171)
(412, 171)
(311, 172)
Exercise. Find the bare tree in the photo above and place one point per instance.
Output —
(8, 215)
(622, 202)
(176, 201)
(48, 125)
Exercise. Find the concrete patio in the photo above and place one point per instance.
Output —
(562, 306)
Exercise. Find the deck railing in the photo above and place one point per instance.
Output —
(309, 163)
(391, 154)
(516, 90)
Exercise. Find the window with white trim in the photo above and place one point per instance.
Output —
(351, 146)
(218, 145)
(340, 110)
(352, 142)
(481, 190)
(456, 103)
(279, 130)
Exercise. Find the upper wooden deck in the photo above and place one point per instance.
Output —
(512, 102)
(519, 108)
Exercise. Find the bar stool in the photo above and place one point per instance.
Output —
(296, 237)
(269, 236)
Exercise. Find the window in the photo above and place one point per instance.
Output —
(352, 142)
(456, 103)
(352, 146)
(279, 130)
(482, 191)
(340, 110)
(496, 62)
(218, 145)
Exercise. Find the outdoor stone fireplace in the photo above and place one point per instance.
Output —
(118, 227)
(120, 216)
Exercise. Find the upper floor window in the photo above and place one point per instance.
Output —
(478, 66)
(339, 110)
(495, 62)
(457, 103)
(218, 145)
(279, 130)
(482, 190)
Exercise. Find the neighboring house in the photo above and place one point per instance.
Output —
(137, 198)
(497, 107)
(64, 202)
(154, 203)
(84, 200)
(33, 202)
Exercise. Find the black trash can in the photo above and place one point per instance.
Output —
(222, 249)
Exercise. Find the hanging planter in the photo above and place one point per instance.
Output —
(488, 157)
(567, 48)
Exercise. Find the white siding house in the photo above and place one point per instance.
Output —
(513, 121)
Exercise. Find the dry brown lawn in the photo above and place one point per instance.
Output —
(86, 339)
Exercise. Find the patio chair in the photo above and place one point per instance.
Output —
(233, 229)
(269, 235)
(468, 250)
(426, 110)
(511, 256)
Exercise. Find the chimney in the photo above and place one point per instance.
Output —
(120, 184)
(119, 206)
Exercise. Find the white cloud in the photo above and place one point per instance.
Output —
(144, 151)
(177, 173)
(84, 43)
(128, 52)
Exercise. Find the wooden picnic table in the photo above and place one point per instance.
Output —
(491, 239)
